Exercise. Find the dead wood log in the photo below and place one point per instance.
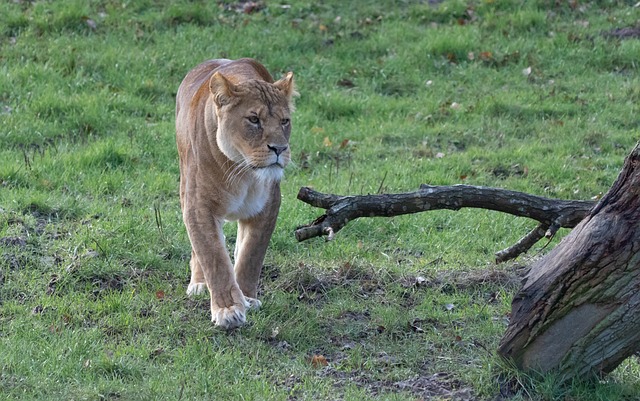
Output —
(552, 214)
(578, 313)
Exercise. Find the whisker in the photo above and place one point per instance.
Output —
(229, 170)
(237, 172)
(292, 163)
(232, 173)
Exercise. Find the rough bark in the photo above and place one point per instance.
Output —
(550, 213)
(578, 312)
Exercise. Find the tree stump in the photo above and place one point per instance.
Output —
(578, 312)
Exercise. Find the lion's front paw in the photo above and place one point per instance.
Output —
(229, 318)
(196, 289)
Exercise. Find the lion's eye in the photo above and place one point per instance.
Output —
(285, 121)
(253, 120)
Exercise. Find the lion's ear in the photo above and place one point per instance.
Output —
(286, 85)
(221, 88)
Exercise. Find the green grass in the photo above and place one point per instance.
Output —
(94, 256)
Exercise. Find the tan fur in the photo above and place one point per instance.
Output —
(232, 132)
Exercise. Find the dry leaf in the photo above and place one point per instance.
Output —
(159, 294)
(318, 361)
(326, 141)
(486, 56)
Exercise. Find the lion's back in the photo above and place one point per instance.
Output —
(194, 88)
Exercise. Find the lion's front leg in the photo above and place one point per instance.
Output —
(252, 242)
(228, 304)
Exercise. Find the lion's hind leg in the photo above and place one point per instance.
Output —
(249, 284)
(197, 284)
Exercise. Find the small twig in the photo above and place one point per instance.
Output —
(523, 245)
(158, 214)
(350, 181)
(477, 343)
(27, 162)
(549, 239)
(382, 182)
(99, 247)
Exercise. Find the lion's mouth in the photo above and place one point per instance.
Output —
(271, 172)
(276, 164)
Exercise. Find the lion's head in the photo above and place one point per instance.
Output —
(254, 123)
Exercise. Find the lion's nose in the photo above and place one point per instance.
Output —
(277, 149)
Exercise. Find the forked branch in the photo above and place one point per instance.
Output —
(552, 214)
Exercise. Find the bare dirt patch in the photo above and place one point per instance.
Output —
(13, 242)
(623, 33)
(440, 385)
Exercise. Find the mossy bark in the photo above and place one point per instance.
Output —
(578, 312)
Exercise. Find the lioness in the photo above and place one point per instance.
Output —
(232, 131)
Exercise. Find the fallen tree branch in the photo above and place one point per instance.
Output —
(552, 214)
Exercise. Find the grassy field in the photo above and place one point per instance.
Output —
(538, 96)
